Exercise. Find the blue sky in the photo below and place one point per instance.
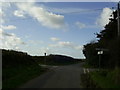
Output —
(52, 27)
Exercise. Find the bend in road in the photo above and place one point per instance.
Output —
(58, 77)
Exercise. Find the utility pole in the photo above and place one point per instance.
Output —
(99, 60)
(45, 58)
(118, 14)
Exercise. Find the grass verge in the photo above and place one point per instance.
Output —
(19, 76)
(100, 79)
(85, 65)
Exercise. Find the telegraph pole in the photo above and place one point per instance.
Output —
(118, 14)
(45, 58)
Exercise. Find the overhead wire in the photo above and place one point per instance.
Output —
(74, 12)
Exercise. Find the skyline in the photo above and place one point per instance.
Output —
(52, 27)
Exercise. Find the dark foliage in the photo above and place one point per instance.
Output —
(15, 59)
(14, 62)
(109, 40)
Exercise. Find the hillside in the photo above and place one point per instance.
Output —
(19, 67)
(55, 59)
(14, 59)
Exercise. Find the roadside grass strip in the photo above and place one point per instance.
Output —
(23, 76)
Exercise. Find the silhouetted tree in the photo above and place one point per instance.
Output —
(108, 39)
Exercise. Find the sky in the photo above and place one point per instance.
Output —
(52, 27)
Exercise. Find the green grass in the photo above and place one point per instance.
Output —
(101, 79)
(87, 66)
(17, 77)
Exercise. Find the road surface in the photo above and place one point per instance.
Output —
(58, 77)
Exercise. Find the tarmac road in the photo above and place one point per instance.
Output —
(58, 77)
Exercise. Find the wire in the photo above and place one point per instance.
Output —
(75, 12)
(29, 18)
(82, 11)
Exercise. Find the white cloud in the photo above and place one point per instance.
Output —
(35, 42)
(1, 31)
(67, 48)
(9, 40)
(3, 7)
(60, 0)
(80, 25)
(19, 13)
(70, 45)
(19, 0)
(66, 44)
(79, 47)
(104, 17)
(9, 27)
(46, 18)
(2, 14)
(54, 39)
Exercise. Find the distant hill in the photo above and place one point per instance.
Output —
(11, 58)
(61, 58)
(55, 59)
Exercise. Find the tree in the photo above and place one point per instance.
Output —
(108, 39)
